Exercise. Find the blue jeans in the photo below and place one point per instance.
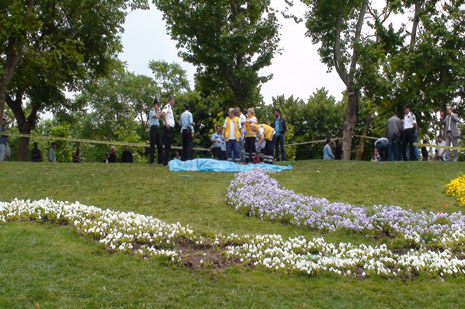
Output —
(232, 147)
(393, 151)
(242, 149)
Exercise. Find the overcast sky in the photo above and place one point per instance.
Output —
(297, 71)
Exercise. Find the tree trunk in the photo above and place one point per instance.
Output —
(363, 139)
(11, 61)
(23, 148)
(349, 123)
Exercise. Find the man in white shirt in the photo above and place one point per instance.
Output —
(168, 120)
(242, 120)
(410, 125)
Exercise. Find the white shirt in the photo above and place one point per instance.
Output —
(242, 120)
(232, 128)
(169, 117)
(409, 121)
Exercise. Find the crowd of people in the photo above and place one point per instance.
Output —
(242, 138)
(402, 134)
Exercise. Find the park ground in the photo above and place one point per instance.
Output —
(54, 266)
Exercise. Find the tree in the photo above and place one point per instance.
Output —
(229, 41)
(337, 26)
(49, 47)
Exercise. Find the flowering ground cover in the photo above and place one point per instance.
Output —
(54, 266)
(257, 193)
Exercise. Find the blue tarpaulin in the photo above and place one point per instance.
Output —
(210, 165)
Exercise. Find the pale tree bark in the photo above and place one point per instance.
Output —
(348, 77)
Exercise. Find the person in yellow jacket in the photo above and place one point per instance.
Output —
(265, 136)
(232, 136)
(250, 136)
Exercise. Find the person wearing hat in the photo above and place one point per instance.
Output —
(187, 133)
(265, 134)
(410, 125)
(155, 135)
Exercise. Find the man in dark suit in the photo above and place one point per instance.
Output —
(451, 131)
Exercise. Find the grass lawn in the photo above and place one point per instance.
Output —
(55, 267)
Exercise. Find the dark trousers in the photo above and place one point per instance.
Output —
(187, 151)
(250, 152)
(279, 142)
(408, 139)
(268, 152)
(168, 140)
(155, 139)
(217, 153)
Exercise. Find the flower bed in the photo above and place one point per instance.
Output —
(148, 236)
(456, 188)
(257, 193)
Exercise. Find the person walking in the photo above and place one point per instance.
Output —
(155, 134)
(168, 119)
(52, 155)
(265, 135)
(250, 136)
(410, 124)
(217, 140)
(327, 152)
(451, 132)
(279, 125)
(232, 136)
(187, 133)
(393, 133)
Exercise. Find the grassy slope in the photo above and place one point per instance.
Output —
(54, 266)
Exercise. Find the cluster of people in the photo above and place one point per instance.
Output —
(243, 139)
(402, 134)
(111, 157)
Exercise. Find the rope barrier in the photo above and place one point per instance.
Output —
(91, 141)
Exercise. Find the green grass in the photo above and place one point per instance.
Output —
(55, 267)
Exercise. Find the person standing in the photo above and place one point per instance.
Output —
(187, 133)
(232, 136)
(410, 125)
(112, 158)
(250, 136)
(36, 155)
(381, 146)
(3, 141)
(242, 122)
(155, 135)
(327, 152)
(168, 119)
(442, 152)
(77, 155)
(126, 156)
(52, 156)
(265, 134)
(393, 132)
(338, 150)
(280, 128)
(217, 140)
(451, 131)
